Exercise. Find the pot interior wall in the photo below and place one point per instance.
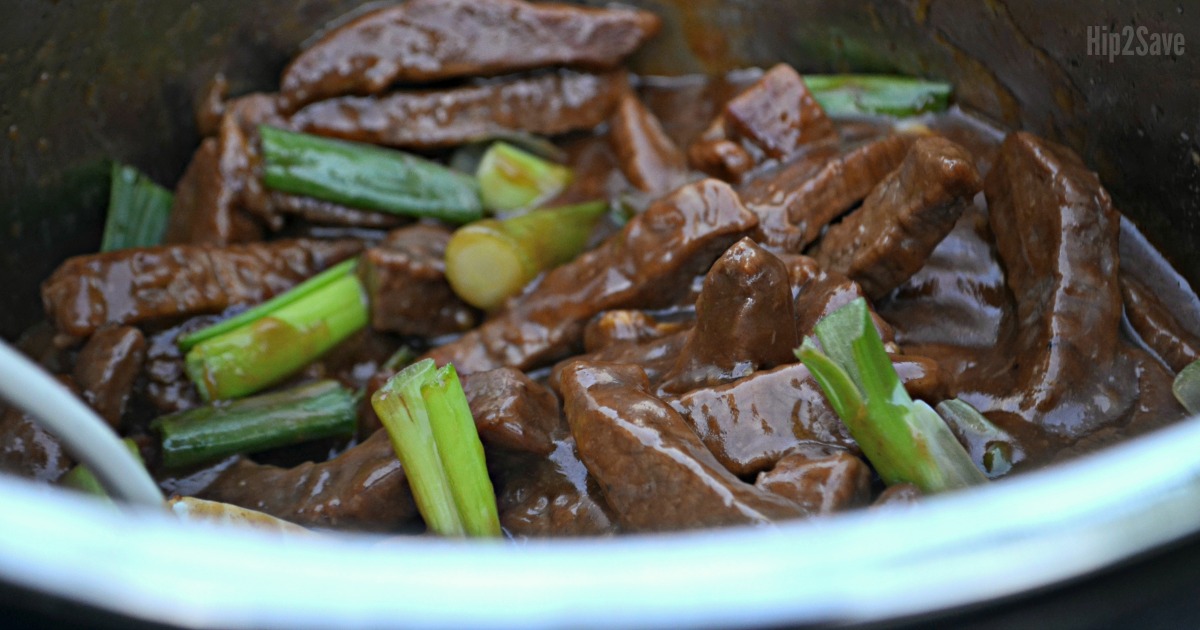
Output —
(82, 81)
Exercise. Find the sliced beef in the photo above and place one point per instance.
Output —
(797, 200)
(106, 368)
(646, 265)
(405, 277)
(364, 488)
(323, 212)
(901, 494)
(167, 385)
(27, 450)
(772, 121)
(423, 41)
(554, 496)
(656, 357)
(820, 479)
(655, 473)
(751, 423)
(889, 238)
(1157, 326)
(818, 293)
(547, 103)
(744, 321)
(140, 285)
(621, 326)
(648, 157)
(207, 209)
(512, 411)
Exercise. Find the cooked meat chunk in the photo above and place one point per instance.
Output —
(1156, 325)
(547, 103)
(106, 368)
(656, 357)
(818, 293)
(422, 41)
(900, 494)
(405, 277)
(797, 200)
(324, 212)
(744, 321)
(167, 385)
(554, 497)
(645, 265)
(772, 121)
(820, 479)
(364, 488)
(27, 450)
(139, 285)
(889, 238)
(512, 411)
(207, 209)
(620, 326)
(654, 472)
(648, 157)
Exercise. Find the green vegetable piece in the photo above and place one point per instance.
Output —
(512, 179)
(138, 210)
(309, 412)
(906, 441)
(490, 260)
(366, 176)
(425, 413)
(998, 451)
(1187, 387)
(864, 94)
(83, 479)
(279, 339)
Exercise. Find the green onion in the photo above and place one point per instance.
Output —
(426, 415)
(283, 336)
(511, 179)
(309, 412)
(490, 260)
(1187, 387)
(138, 210)
(850, 94)
(366, 176)
(999, 450)
(83, 479)
(905, 440)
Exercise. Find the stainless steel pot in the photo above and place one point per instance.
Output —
(85, 80)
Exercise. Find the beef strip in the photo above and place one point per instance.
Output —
(547, 103)
(106, 368)
(645, 265)
(744, 321)
(324, 212)
(1157, 326)
(820, 479)
(206, 209)
(654, 356)
(621, 326)
(554, 496)
(364, 488)
(648, 157)
(751, 423)
(511, 411)
(27, 450)
(167, 385)
(888, 239)
(146, 284)
(422, 41)
(405, 277)
(771, 122)
(654, 472)
(818, 293)
(797, 200)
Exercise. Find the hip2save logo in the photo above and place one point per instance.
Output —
(1132, 41)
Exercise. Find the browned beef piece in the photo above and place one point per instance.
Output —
(797, 200)
(512, 411)
(422, 41)
(405, 277)
(146, 284)
(751, 423)
(648, 157)
(772, 121)
(1156, 325)
(818, 293)
(106, 368)
(207, 209)
(554, 496)
(655, 356)
(364, 488)
(646, 265)
(168, 387)
(888, 239)
(898, 495)
(820, 479)
(324, 212)
(623, 326)
(655, 473)
(547, 103)
(744, 321)
(27, 450)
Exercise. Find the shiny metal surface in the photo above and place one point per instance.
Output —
(84, 80)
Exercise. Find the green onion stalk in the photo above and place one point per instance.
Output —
(425, 412)
(1187, 387)
(265, 345)
(83, 479)
(865, 94)
(138, 210)
(512, 179)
